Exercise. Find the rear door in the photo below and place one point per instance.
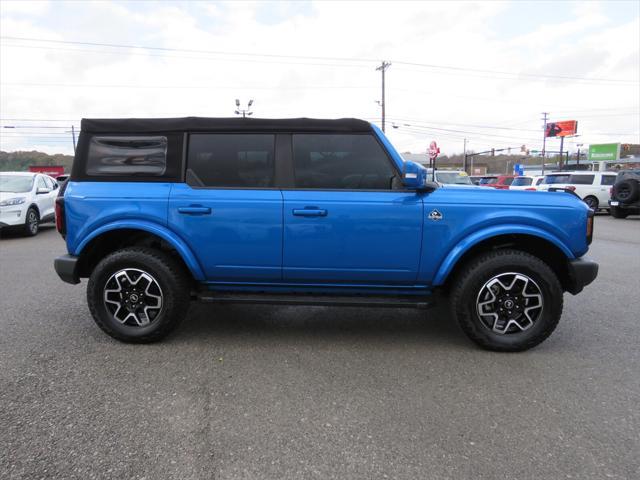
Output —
(344, 221)
(229, 211)
(604, 194)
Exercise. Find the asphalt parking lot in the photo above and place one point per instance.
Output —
(313, 392)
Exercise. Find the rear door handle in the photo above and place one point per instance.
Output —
(195, 210)
(310, 212)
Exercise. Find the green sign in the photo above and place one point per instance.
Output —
(604, 152)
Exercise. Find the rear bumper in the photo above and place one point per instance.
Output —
(67, 268)
(582, 271)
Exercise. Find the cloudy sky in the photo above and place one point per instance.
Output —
(483, 71)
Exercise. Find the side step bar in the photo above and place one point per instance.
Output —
(316, 300)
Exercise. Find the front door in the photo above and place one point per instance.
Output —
(228, 211)
(344, 222)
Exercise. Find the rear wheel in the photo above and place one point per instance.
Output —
(507, 300)
(31, 223)
(592, 202)
(617, 212)
(138, 294)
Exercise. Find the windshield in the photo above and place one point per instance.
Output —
(15, 183)
(453, 178)
(552, 179)
(488, 180)
(521, 181)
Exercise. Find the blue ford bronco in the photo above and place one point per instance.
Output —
(158, 212)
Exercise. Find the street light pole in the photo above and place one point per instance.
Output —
(464, 160)
(244, 112)
(544, 139)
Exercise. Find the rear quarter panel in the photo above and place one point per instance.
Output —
(89, 206)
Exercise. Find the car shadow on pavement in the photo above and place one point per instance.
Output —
(290, 323)
(16, 233)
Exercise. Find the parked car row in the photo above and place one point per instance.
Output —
(27, 199)
(594, 188)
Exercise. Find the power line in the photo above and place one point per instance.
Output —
(324, 58)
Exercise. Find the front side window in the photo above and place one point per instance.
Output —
(555, 179)
(231, 160)
(42, 183)
(581, 179)
(127, 155)
(507, 181)
(341, 161)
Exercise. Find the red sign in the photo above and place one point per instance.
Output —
(433, 150)
(51, 170)
(566, 128)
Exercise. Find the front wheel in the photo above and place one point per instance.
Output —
(507, 300)
(138, 294)
(31, 222)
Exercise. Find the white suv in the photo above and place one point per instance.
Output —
(26, 200)
(592, 187)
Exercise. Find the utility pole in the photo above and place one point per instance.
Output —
(464, 161)
(578, 159)
(73, 136)
(544, 139)
(383, 68)
(244, 112)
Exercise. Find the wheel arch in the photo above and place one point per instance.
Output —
(35, 207)
(112, 237)
(536, 242)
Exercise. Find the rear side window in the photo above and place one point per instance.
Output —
(521, 181)
(341, 161)
(231, 160)
(581, 179)
(127, 155)
(488, 180)
(608, 180)
(507, 181)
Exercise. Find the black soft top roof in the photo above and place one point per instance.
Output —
(194, 124)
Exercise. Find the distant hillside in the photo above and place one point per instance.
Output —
(20, 161)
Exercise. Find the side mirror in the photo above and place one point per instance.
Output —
(414, 177)
(42, 191)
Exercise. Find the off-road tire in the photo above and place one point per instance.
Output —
(627, 191)
(31, 228)
(478, 271)
(617, 212)
(169, 274)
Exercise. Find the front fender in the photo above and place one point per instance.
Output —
(167, 235)
(470, 241)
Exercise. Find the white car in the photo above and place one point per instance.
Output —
(526, 182)
(592, 187)
(26, 200)
(458, 178)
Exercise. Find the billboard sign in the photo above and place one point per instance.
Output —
(604, 152)
(566, 128)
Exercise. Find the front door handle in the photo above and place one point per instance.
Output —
(195, 210)
(310, 212)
